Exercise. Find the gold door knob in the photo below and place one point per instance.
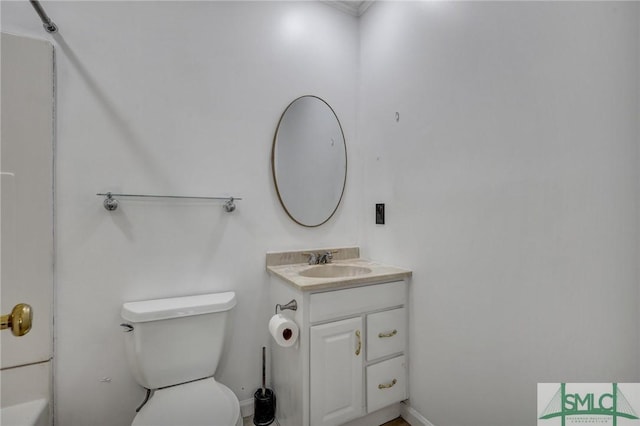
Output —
(19, 320)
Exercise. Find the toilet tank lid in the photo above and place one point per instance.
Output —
(176, 307)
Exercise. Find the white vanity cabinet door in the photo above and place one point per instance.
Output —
(336, 368)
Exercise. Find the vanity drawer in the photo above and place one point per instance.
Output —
(386, 383)
(334, 304)
(386, 333)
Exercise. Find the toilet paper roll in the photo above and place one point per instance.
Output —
(284, 330)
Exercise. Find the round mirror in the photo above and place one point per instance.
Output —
(309, 161)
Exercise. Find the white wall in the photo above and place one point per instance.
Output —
(178, 98)
(511, 183)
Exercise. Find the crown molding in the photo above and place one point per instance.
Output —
(352, 7)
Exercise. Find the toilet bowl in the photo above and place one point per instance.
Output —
(199, 403)
(173, 347)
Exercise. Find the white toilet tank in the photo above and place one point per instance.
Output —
(176, 340)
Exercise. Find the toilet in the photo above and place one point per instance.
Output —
(173, 347)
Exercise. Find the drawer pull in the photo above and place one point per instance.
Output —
(359, 342)
(383, 335)
(387, 385)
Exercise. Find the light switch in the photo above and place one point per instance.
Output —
(380, 214)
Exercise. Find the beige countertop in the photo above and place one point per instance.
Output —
(380, 272)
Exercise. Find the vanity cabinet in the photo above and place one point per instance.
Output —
(350, 362)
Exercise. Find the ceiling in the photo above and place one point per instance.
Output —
(352, 7)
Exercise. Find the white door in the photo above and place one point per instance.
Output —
(26, 202)
(336, 372)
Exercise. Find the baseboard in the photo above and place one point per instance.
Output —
(412, 416)
(377, 417)
(384, 415)
(246, 407)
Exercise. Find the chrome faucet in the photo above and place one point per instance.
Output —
(320, 258)
(326, 257)
(313, 258)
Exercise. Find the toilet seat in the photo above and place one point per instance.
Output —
(201, 403)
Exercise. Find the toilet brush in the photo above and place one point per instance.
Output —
(264, 400)
(264, 370)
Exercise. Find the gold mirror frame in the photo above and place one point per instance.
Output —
(300, 221)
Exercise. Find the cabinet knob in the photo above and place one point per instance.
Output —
(359, 342)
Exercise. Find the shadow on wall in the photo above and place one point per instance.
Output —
(109, 108)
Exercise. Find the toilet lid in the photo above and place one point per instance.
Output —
(200, 403)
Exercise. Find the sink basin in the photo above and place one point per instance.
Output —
(334, 271)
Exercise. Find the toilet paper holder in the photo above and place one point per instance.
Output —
(293, 305)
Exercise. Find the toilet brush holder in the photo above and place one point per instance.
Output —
(264, 400)
(264, 407)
